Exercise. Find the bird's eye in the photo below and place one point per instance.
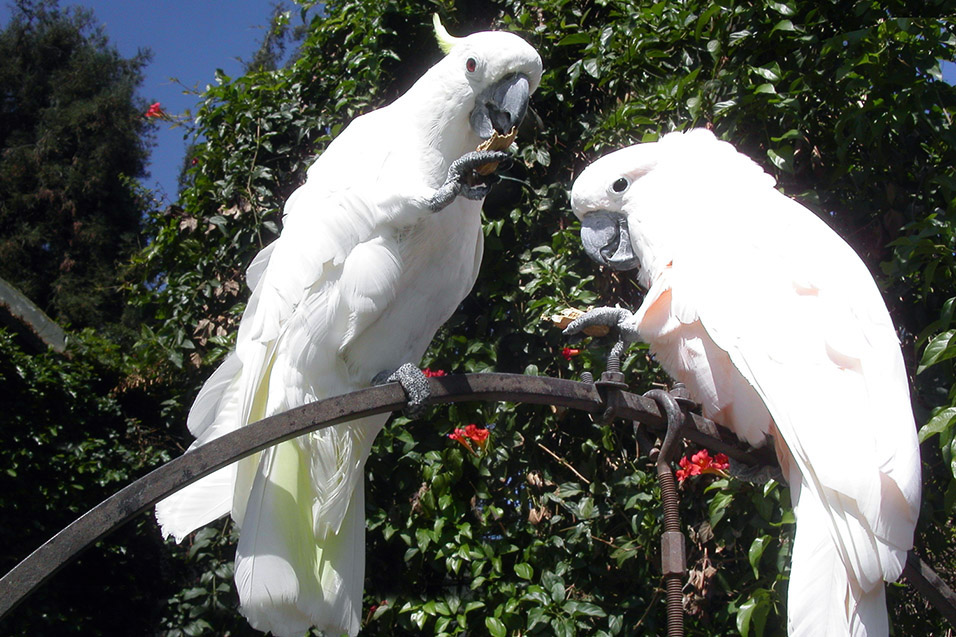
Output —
(620, 185)
(471, 64)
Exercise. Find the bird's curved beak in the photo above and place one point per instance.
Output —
(501, 106)
(607, 241)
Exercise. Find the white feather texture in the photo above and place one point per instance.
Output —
(362, 276)
(777, 328)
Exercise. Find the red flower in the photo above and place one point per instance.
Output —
(476, 433)
(701, 463)
(471, 433)
(568, 352)
(155, 110)
(433, 373)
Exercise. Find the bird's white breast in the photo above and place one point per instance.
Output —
(440, 256)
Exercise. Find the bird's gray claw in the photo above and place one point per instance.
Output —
(613, 317)
(474, 160)
(463, 180)
(479, 190)
(415, 385)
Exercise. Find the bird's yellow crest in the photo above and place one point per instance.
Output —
(446, 41)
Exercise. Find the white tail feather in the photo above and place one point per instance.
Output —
(213, 414)
(214, 394)
(287, 578)
(198, 504)
(336, 463)
(823, 600)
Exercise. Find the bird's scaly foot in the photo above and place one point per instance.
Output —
(415, 385)
(614, 317)
(463, 179)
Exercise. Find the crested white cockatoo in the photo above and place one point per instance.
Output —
(378, 248)
(777, 329)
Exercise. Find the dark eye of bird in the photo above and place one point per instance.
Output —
(620, 185)
(471, 64)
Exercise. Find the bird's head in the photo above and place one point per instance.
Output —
(634, 203)
(494, 73)
(603, 198)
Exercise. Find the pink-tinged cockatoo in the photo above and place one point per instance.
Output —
(378, 248)
(777, 329)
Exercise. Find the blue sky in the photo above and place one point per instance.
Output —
(190, 39)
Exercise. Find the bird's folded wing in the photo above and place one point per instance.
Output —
(804, 323)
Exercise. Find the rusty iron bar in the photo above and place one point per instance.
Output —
(931, 586)
(132, 500)
(123, 506)
(673, 560)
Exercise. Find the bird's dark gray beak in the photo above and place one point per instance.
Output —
(607, 241)
(501, 106)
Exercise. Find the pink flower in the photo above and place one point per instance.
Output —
(433, 373)
(155, 110)
(701, 463)
(568, 352)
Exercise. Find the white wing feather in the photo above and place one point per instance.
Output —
(808, 330)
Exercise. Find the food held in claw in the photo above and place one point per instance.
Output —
(568, 314)
(497, 141)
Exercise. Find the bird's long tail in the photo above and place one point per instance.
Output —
(293, 569)
(215, 413)
(824, 598)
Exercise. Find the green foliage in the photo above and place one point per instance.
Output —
(938, 358)
(553, 526)
(70, 438)
(72, 139)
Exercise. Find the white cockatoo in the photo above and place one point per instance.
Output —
(777, 329)
(378, 248)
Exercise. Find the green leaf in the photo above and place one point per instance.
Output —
(562, 627)
(783, 25)
(704, 18)
(940, 421)
(940, 348)
(496, 628)
(586, 509)
(782, 8)
(757, 548)
(575, 607)
(718, 506)
(536, 594)
(558, 591)
(754, 611)
(536, 615)
(744, 614)
(771, 75)
(524, 570)
(782, 158)
(581, 37)
(419, 618)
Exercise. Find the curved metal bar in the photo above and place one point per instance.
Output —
(109, 515)
(931, 586)
(116, 510)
